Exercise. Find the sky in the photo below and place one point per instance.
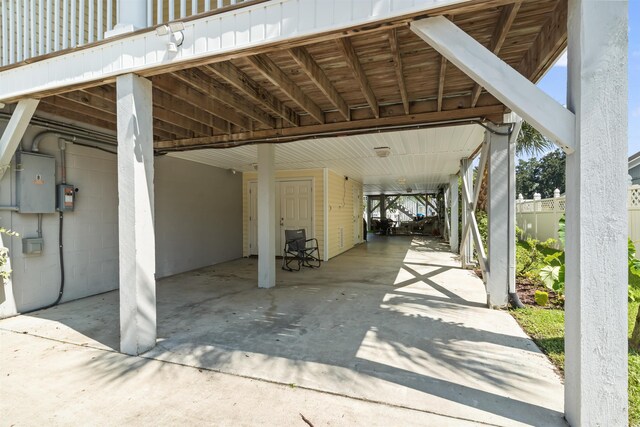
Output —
(555, 81)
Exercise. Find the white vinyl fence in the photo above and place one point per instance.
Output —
(31, 28)
(539, 218)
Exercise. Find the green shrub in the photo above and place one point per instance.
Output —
(528, 256)
(542, 298)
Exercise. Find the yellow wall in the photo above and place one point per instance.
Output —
(341, 212)
(318, 191)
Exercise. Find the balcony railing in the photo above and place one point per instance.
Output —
(31, 28)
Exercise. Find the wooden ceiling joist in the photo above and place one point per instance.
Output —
(397, 64)
(551, 40)
(276, 76)
(318, 76)
(507, 16)
(243, 83)
(199, 100)
(354, 64)
(208, 86)
(442, 74)
(171, 103)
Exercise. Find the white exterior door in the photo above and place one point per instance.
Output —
(294, 207)
(296, 204)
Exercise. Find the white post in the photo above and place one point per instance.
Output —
(596, 266)
(498, 212)
(466, 252)
(453, 223)
(266, 216)
(135, 215)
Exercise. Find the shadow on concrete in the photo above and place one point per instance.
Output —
(380, 322)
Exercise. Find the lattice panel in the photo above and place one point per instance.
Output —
(547, 205)
(634, 197)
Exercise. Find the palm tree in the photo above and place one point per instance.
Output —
(530, 143)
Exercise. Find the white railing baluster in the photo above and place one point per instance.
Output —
(25, 29)
(56, 25)
(220, 4)
(109, 15)
(149, 13)
(183, 8)
(19, 33)
(194, 7)
(159, 19)
(207, 5)
(92, 23)
(32, 26)
(65, 24)
(48, 29)
(99, 23)
(74, 31)
(40, 27)
(5, 30)
(172, 8)
(81, 23)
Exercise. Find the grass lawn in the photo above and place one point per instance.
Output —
(546, 327)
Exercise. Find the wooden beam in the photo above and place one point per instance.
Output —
(505, 21)
(245, 84)
(191, 126)
(443, 72)
(199, 100)
(493, 112)
(46, 107)
(178, 106)
(551, 41)
(80, 108)
(317, 75)
(397, 65)
(207, 85)
(275, 75)
(89, 99)
(506, 84)
(354, 63)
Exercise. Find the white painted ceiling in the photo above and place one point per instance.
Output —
(420, 159)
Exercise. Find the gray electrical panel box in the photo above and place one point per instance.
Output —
(32, 245)
(66, 196)
(36, 184)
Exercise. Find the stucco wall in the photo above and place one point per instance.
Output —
(198, 223)
(198, 215)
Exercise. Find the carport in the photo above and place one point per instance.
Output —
(270, 72)
(395, 322)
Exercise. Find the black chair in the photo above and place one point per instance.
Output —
(300, 251)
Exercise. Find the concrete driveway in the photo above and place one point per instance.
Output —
(391, 332)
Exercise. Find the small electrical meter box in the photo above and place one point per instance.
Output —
(66, 197)
(32, 245)
(36, 182)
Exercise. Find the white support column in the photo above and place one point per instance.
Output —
(135, 215)
(445, 215)
(466, 251)
(515, 131)
(453, 223)
(266, 215)
(131, 15)
(498, 211)
(14, 131)
(596, 215)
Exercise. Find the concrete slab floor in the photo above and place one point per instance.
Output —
(393, 323)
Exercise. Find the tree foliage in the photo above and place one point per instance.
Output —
(541, 175)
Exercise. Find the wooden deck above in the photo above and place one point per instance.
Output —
(361, 80)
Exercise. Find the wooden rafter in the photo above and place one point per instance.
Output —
(207, 85)
(189, 125)
(199, 100)
(493, 112)
(443, 72)
(246, 85)
(551, 40)
(318, 76)
(354, 63)
(397, 65)
(275, 75)
(507, 16)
